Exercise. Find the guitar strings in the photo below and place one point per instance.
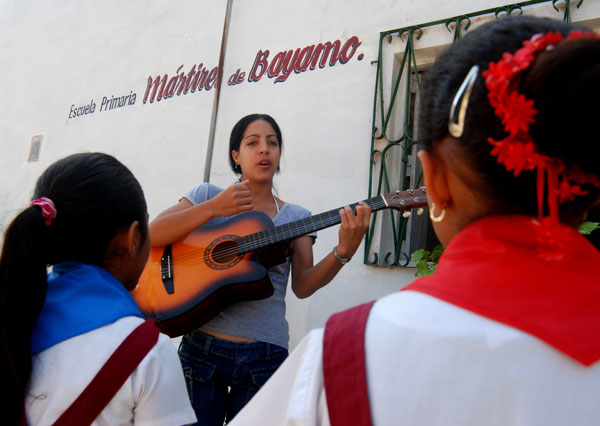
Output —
(324, 220)
(255, 242)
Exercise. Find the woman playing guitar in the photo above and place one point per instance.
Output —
(227, 359)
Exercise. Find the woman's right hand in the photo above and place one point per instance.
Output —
(179, 220)
(233, 200)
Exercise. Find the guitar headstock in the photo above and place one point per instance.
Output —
(404, 200)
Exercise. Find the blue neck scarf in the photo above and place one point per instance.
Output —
(80, 298)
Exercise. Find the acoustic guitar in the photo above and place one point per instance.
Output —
(187, 283)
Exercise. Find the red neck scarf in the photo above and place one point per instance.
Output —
(505, 268)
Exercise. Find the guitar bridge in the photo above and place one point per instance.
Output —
(166, 267)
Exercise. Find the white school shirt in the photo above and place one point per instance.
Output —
(154, 395)
(433, 363)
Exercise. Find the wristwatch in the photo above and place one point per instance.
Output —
(340, 259)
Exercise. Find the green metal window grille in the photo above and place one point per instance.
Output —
(392, 237)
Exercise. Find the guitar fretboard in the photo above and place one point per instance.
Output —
(291, 230)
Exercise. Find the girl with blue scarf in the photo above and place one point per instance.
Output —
(87, 226)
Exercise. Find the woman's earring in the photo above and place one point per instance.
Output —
(432, 216)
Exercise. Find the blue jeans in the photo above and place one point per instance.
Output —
(222, 376)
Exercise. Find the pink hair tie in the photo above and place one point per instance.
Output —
(48, 209)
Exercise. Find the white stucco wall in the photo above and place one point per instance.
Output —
(59, 54)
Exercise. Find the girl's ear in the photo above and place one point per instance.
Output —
(133, 240)
(123, 259)
(435, 174)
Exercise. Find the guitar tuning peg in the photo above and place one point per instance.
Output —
(420, 211)
(406, 214)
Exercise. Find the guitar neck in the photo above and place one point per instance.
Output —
(292, 230)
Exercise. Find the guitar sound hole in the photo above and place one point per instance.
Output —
(225, 252)
(222, 253)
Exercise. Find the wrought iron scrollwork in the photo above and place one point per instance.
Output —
(461, 23)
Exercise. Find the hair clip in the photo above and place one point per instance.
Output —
(464, 93)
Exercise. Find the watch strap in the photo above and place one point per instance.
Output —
(340, 259)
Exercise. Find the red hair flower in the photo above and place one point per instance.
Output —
(516, 156)
(517, 152)
(518, 113)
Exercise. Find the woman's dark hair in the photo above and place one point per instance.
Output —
(237, 133)
(564, 84)
(95, 197)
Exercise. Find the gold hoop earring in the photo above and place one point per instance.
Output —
(439, 218)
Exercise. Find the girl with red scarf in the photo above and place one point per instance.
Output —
(507, 329)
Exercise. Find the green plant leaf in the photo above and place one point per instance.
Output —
(437, 252)
(418, 255)
(586, 228)
(426, 261)
(424, 268)
(424, 272)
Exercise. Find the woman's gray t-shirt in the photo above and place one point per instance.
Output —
(262, 320)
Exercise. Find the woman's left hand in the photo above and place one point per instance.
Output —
(352, 229)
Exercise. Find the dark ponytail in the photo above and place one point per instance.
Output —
(95, 197)
(22, 292)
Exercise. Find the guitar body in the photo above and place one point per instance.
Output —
(206, 274)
